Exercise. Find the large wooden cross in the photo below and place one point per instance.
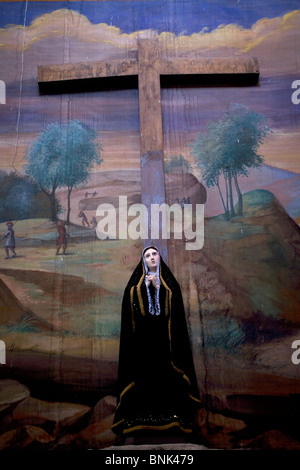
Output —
(151, 69)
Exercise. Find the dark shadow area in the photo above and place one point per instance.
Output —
(130, 82)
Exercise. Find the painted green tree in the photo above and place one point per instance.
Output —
(62, 156)
(229, 149)
(21, 198)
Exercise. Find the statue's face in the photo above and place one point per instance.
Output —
(151, 257)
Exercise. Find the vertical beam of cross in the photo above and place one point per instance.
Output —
(151, 135)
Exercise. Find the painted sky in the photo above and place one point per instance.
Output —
(176, 16)
(36, 33)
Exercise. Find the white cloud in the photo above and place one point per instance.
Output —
(273, 40)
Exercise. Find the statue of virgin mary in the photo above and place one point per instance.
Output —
(157, 386)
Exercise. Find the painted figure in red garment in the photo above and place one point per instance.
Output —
(62, 241)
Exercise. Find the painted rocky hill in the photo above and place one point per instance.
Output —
(178, 186)
(258, 257)
(282, 183)
(12, 311)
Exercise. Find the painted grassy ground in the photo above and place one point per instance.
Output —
(78, 294)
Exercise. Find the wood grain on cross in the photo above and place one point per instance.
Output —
(151, 69)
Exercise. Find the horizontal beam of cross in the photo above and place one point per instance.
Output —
(246, 70)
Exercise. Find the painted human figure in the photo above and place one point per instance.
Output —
(84, 219)
(9, 244)
(157, 386)
(94, 223)
(62, 240)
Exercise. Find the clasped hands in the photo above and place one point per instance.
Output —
(152, 279)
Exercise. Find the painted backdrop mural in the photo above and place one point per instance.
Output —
(64, 267)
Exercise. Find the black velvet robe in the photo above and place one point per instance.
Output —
(157, 386)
